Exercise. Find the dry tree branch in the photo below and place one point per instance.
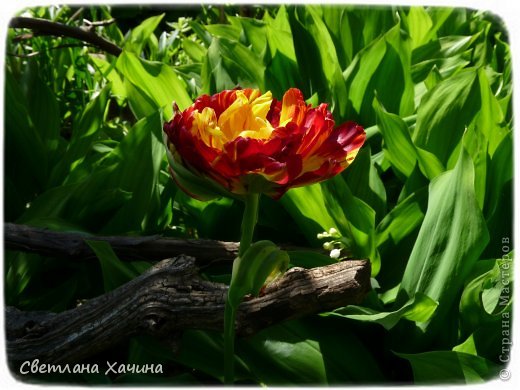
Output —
(170, 298)
(46, 27)
(72, 245)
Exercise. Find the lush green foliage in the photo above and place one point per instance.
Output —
(428, 199)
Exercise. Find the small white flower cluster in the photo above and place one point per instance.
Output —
(335, 246)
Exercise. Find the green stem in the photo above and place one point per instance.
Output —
(248, 222)
(229, 343)
(248, 227)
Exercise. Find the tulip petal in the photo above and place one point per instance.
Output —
(244, 141)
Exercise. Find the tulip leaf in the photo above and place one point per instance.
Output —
(252, 269)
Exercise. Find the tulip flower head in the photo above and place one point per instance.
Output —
(242, 141)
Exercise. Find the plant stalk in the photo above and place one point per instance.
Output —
(249, 220)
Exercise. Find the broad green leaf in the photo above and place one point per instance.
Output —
(210, 362)
(403, 219)
(139, 36)
(436, 367)
(418, 309)
(281, 67)
(108, 71)
(487, 296)
(342, 27)
(447, 55)
(44, 110)
(307, 207)
(195, 50)
(156, 81)
(137, 176)
(396, 235)
(354, 218)
(399, 147)
(25, 151)
(115, 272)
(317, 58)
(308, 352)
(382, 68)
(490, 118)
(230, 64)
(500, 173)
(253, 33)
(366, 184)
(227, 31)
(451, 238)
(253, 269)
(420, 25)
(84, 134)
(445, 112)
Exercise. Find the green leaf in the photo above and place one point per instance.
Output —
(84, 134)
(229, 64)
(195, 50)
(308, 352)
(445, 112)
(363, 179)
(115, 272)
(261, 260)
(138, 176)
(252, 34)
(354, 219)
(307, 207)
(317, 58)
(500, 172)
(451, 238)
(420, 26)
(108, 71)
(25, 151)
(44, 110)
(403, 219)
(488, 295)
(419, 309)
(381, 67)
(399, 147)
(452, 367)
(141, 34)
(281, 67)
(157, 82)
(209, 362)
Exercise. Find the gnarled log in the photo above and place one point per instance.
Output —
(171, 297)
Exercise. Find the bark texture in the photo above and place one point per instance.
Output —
(170, 298)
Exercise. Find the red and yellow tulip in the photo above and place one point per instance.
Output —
(242, 141)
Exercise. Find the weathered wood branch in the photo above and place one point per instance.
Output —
(170, 298)
(152, 248)
(72, 245)
(46, 27)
